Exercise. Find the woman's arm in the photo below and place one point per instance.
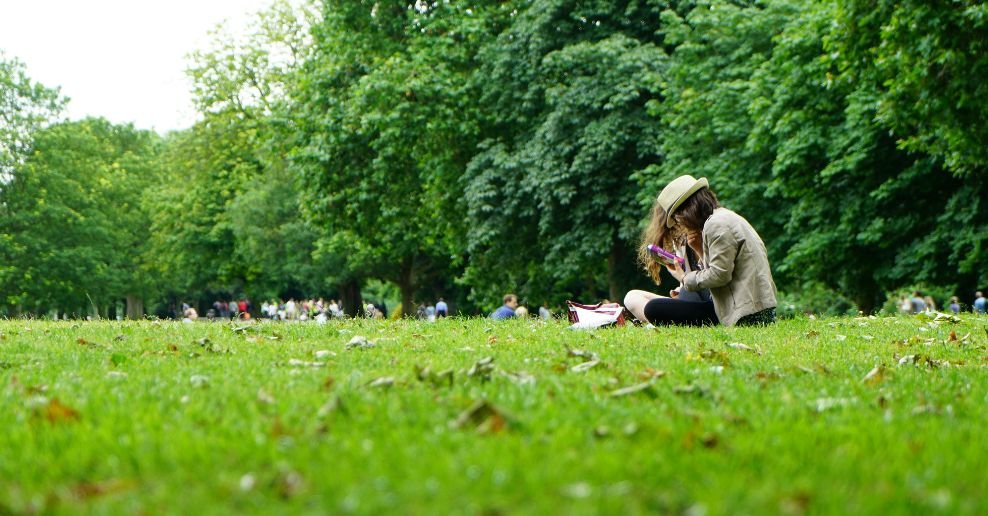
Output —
(721, 249)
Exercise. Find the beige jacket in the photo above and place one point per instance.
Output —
(737, 271)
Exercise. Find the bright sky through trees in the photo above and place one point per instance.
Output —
(120, 59)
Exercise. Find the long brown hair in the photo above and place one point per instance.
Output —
(692, 214)
(656, 233)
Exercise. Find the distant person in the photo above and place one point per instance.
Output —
(544, 311)
(905, 305)
(189, 314)
(980, 303)
(917, 303)
(507, 311)
(930, 303)
(955, 305)
(521, 312)
(442, 310)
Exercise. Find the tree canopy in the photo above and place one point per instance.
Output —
(467, 151)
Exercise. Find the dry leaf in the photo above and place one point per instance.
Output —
(264, 396)
(743, 347)
(644, 388)
(359, 342)
(585, 366)
(482, 369)
(482, 417)
(57, 412)
(294, 362)
(875, 376)
(587, 356)
(382, 382)
(86, 490)
(649, 374)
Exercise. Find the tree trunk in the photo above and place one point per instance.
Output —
(353, 303)
(617, 272)
(135, 307)
(407, 287)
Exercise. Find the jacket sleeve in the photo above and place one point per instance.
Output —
(721, 248)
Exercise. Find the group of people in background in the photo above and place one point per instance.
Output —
(917, 303)
(511, 309)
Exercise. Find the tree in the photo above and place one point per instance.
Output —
(551, 192)
(928, 61)
(388, 127)
(25, 107)
(230, 220)
(75, 219)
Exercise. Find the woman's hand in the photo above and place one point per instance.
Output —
(676, 271)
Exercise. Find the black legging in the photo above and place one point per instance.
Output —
(664, 310)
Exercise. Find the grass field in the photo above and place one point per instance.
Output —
(466, 416)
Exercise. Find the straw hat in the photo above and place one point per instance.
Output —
(677, 191)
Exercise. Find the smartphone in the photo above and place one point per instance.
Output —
(664, 255)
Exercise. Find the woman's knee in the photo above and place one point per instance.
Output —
(635, 298)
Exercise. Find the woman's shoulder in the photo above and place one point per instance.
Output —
(723, 217)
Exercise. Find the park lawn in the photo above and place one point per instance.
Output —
(210, 418)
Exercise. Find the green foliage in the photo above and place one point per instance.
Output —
(550, 193)
(466, 151)
(929, 62)
(25, 107)
(83, 187)
(230, 219)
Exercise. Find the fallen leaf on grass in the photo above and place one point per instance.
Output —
(334, 405)
(360, 342)
(210, 346)
(643, 388)
(294, 362)
(519, 378)
(482, 369)
(86, 490)
(764, 377)
(691, 389)
(587, 356)
(89, 344)
(382, 382)
(875, 376)
(436, 379)
(743, 347)
(585, 366)
(289, 483)
(323, 354)
(482, 417)
(824, 404)
(650, 373)
(199, 381)
(264, 397)
(57, 412)
(715, 356)
(942, 317)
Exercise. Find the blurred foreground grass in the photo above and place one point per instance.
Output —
(858, 415)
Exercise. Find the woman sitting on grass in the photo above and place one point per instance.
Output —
(722, 254)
